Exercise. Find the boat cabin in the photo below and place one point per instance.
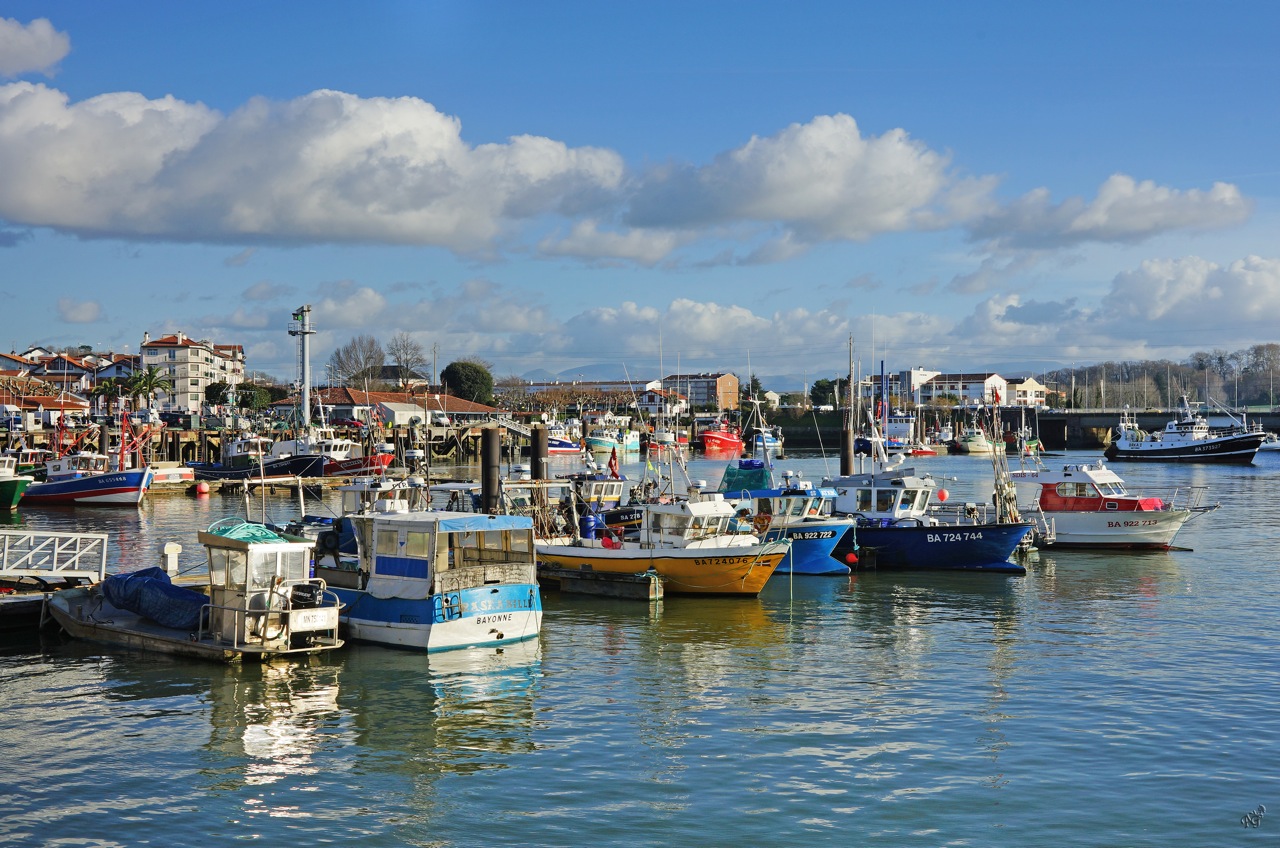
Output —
(701, 521)
(246, 452)
(76, 465)
(425, 554)
(886, 497)
(261, 593)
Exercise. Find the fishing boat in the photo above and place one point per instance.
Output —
(248, 457)
(87, 478)
(342, 457)
(562, 440)
(438, 581)
(609, 432)
(973, 439)
(30, 460)
(12, 484)
(715, 436)
(259, 602)
(1187, 438)
(1271, 442)
(790, 509)
(759, 437)
(1086, 505)
(688, 543)
(901, 520)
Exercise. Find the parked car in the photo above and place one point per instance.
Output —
(347, 422)
(176, 419)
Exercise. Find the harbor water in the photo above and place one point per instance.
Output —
(1103, 699)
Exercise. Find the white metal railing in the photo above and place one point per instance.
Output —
(56, 555)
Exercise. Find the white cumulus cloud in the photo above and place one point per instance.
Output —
(36, 46)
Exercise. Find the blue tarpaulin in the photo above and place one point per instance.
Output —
(150, 593)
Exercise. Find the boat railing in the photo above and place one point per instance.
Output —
(41, 556)
(273, 626)
(1191, 498)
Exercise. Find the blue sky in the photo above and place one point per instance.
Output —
(721, 186)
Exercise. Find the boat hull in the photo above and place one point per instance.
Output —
(812, 548)
(1134, 530)
(375, 464)
(963, 547)
(308, 466)
(115, 488)
(12, 490)
(84, 614)
(684, 571)
(475, 617)
(1230, 449)
(562, 446)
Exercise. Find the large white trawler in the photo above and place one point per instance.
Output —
(1188, 438)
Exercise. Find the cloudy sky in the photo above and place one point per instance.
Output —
(715, 185)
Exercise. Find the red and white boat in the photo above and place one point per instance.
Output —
(720, 439)
(1086, 505)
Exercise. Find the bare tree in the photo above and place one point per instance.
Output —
(408, 356)
(358, 362)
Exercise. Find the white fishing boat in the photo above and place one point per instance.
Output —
(259, 602)
(1086, 505)
(436, 581)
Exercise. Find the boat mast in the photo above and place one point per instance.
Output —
(303, 316)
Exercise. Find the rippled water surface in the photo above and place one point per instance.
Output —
(1102, 699)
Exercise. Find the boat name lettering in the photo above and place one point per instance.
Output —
(493, 619)
(492, 605)
(957, 536)
(804, 535)
(722, 561)
(1146, 522)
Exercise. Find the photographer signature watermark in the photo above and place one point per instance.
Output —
(1254, 818)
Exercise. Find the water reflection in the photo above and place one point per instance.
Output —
(457, 711)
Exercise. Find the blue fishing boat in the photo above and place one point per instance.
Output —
(901, 523)
(789, 509)
(88, 478)
(436, 580)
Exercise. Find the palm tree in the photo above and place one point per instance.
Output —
(147, 383)
(109, 390)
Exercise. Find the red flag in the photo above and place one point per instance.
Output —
(995, 393)
(613, 464)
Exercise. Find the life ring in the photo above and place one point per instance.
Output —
(760, 523)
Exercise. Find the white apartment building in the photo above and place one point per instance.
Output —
(192, 366)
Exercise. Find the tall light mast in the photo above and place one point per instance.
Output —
(302, 329)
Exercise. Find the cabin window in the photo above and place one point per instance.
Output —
(798, 505)
(863, 500)
(417, 544)
(491, 540)
(915, 498)
(521, 541)
(885, 499)
(227, 567)
(388, 542)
